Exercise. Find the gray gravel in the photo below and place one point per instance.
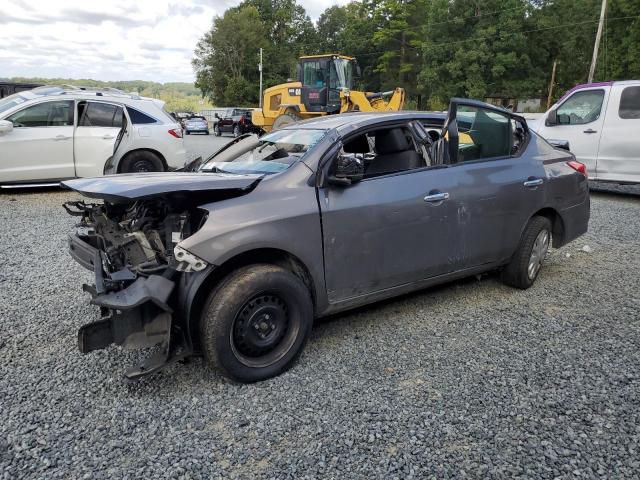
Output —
(472, 379)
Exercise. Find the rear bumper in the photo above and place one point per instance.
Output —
(575, 220)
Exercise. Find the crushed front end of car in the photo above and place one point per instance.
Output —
(144, 280)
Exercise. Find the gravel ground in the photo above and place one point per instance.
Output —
(472, 379)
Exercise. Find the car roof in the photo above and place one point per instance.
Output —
(87, 93)
(348, 121)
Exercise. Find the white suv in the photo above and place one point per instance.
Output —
(53, 133)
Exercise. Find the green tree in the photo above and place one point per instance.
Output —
(226, 57)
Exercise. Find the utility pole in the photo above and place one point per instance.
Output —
(603, 12)
(260, 69)
(553, 80)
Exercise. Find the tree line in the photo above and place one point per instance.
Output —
(434, 49)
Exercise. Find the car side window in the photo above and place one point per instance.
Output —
(386, 151)
(46, 114)
(483, 134)
(139, 118)
(630, 103)
(95, 114)
(581, 108)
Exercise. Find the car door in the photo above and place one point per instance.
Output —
(579, 119)
(98, 126)
(389, 229)
(499, 186)
(40, 146)
(619, 152)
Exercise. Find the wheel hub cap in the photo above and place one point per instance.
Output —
(538, 253)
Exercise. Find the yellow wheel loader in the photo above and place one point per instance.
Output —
(324, 87)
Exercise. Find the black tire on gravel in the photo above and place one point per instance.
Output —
(518, 273)
(141, 161)
(256, 322)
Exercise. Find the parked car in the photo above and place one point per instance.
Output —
(196, 124)
(601, 122)
(53, 133)
(234, 120)
(235, 261)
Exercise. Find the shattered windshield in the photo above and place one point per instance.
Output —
(270, 154)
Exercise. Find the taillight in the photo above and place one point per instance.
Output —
(176, 132)
(242, 120)
(578, 167)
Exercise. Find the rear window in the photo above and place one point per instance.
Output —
(630, 103)
(139, 118)
(101, 115)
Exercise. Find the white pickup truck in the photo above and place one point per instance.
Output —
(601, 122)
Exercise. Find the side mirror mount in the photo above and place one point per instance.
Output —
(349, 169)
(552, 118)
(5, 127)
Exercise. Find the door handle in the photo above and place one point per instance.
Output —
(57, 138)
(533, 183)
(591, 130)
(436, 197)
(109, 137)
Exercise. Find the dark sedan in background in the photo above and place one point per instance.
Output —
(235, 261)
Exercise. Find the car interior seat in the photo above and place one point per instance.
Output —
(395, 153)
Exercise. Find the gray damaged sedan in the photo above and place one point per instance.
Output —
(235, 260)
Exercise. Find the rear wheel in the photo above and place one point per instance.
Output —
(526, 263)
(141, 161)
(256, 322)
(286, 119)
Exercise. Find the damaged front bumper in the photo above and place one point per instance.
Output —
(138, 315)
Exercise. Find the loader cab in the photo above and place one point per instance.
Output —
(322, 78)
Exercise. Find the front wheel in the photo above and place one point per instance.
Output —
(236, 130)
(216, 131)
(526, 263)
(256, 322)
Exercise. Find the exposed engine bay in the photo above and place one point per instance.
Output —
(138, 239)
(132, 248)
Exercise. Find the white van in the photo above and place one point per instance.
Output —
(601, 122)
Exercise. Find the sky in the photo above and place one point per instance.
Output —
(110, 39)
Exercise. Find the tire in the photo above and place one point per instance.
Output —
(187, 132)
(141, 161)
(216, 131)
(236, 130)
(206, 132)
(234, 332)
(526, 263)
(286, 119)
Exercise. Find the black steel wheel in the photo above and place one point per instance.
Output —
(140, 162)
(256, 322)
